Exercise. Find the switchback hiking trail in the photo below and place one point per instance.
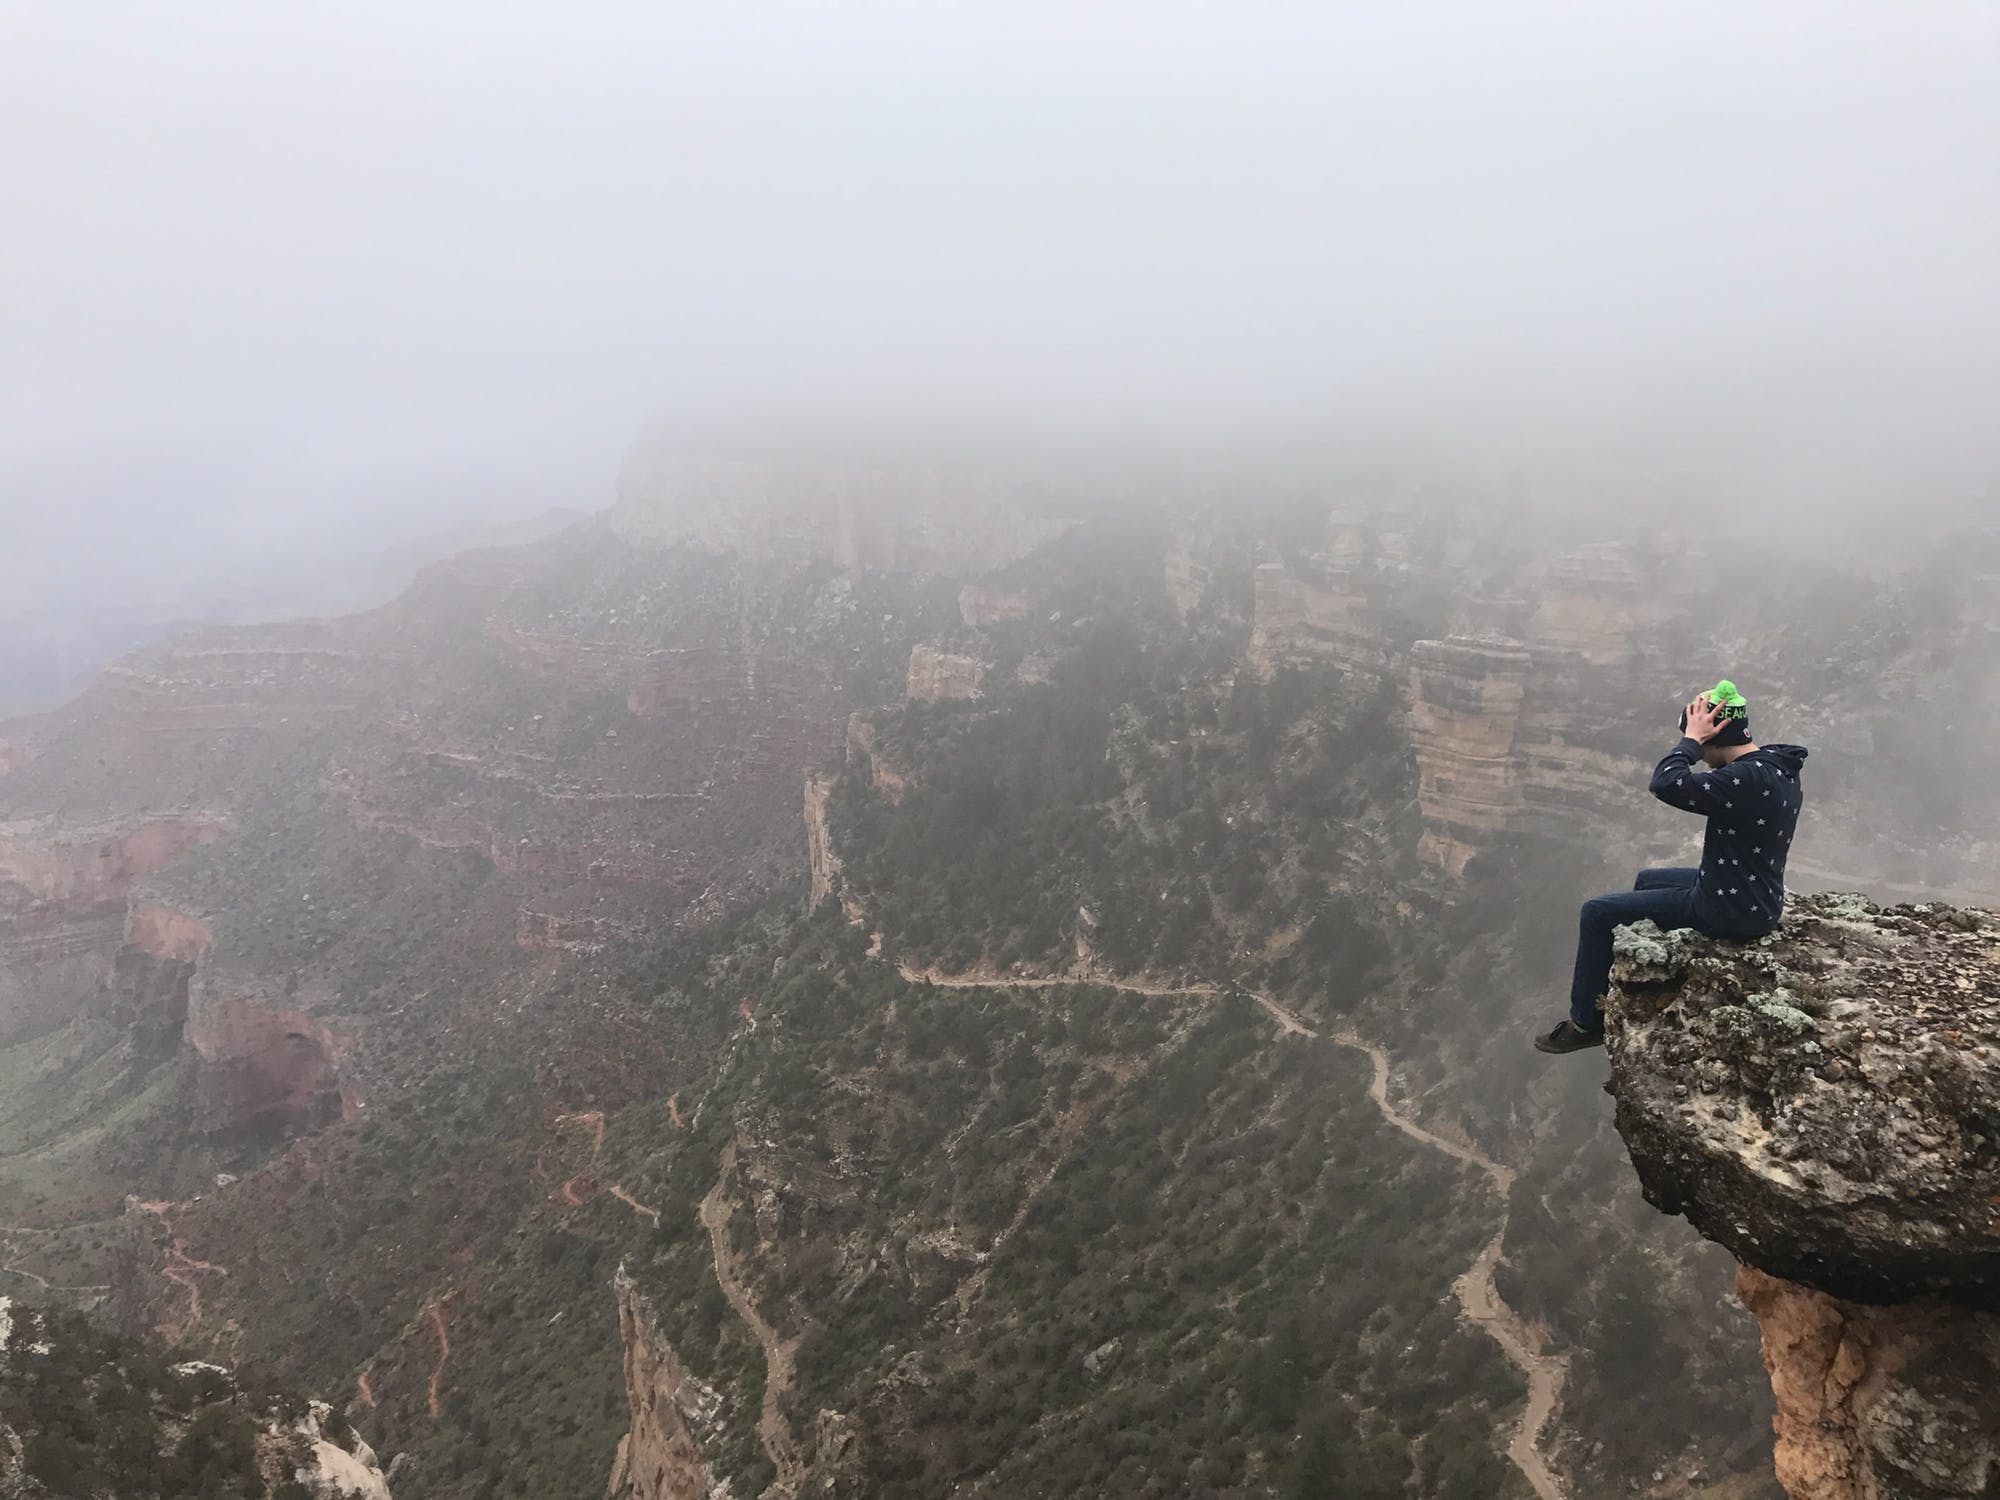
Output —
(1479, 1299)
(779, 1352)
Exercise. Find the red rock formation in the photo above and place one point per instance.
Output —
(823, 862)
(63, 895)
(1877, 1403)
(266, 1063)
(164, 932)
(92, 866)
(675, 1418)
(155, 971)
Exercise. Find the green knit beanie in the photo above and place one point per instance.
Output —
(1731, 704)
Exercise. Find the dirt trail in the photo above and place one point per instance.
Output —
(674, 1111)
(364, 1389)
(180, 1269)
(1479, 1299)
(47, 1285)
(772, 1428)
(633, 1203)
(977, 981)
(577, 1190)
(433, 1389)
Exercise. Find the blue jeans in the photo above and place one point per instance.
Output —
(1664, 896)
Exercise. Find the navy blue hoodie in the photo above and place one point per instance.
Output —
(1752, 806)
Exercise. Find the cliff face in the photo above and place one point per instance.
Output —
(1316, 610)
(937, 676)
(65, 895)
(265, 1062)
(1826, 1105)
(1589, 602)
(674, 1415)
(1465, 710)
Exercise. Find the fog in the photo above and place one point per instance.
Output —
(289, 283)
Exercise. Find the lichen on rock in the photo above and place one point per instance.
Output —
(1825, 1103)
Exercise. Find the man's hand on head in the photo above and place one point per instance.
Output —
(1704, 720)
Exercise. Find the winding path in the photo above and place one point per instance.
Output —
(434, 1388)
(772, 1427)
(1479, 1299)
(180, 1269)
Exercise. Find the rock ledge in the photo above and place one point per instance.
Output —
(1824, 1102)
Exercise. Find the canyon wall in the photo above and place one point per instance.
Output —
(1590, 602)
(223, 681)
(265, 1063)
(1316, 610)
(823, 863)
(866, 753)
(1821, 1103)
(943, 676)
(64, 916)
(675, 1417)
(1465, 712)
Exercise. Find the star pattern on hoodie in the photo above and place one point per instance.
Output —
(1756, 864)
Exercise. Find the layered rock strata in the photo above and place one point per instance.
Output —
(66, 918)
(1589, 602)
(1825, 1104)
(1316, 610)
(265, 1063)
(1465, 709)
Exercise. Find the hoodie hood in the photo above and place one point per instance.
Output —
(1787, 757)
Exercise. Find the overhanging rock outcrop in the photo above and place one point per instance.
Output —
(1825, 1103)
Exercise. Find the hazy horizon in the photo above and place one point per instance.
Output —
(315, 278)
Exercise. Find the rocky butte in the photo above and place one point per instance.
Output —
(1825, 1103)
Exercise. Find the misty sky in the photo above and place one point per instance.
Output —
(287, 274)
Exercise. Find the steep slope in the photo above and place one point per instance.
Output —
(498, 976)
(83, 1414)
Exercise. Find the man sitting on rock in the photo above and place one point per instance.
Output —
(1750, 795)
